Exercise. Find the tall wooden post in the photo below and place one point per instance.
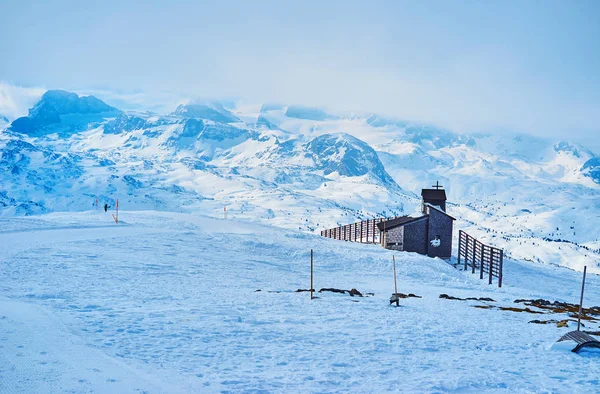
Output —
(116, 218)
(361, 230)
(466, 248)
(373, 230)
(395, 283)
(459, 243)
(501, 269)
(311, 274)
(491, 265)
(473, 257)
(481, 263)
(581, 300)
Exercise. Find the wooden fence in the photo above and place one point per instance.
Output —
(479, 256)
(364, 232)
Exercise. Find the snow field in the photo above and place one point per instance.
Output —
(167, 302)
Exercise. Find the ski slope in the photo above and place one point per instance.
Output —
(168, 302)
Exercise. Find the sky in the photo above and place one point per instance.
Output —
(527, 66)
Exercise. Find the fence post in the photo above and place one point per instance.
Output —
(501, 263)
(473, 256)
(481, 262)
(311, 274)
(373, 230)
(581, 299)
(466, 248)
(491, 265)
(395, 283)
(361, 231)
(459, 242)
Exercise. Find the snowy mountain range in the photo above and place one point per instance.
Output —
(300, 167)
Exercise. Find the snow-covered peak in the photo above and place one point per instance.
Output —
(575, 150)
(62, 102)
(210, 110)
(65, 109)
(348, 156)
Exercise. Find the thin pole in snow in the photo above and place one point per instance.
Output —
(311, 274)
(116, 218)
(581, 300)
(395, 282)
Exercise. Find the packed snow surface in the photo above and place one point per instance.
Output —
(168, 302)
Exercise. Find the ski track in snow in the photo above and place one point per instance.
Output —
(167, 302)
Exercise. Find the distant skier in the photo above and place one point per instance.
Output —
(105, 207)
